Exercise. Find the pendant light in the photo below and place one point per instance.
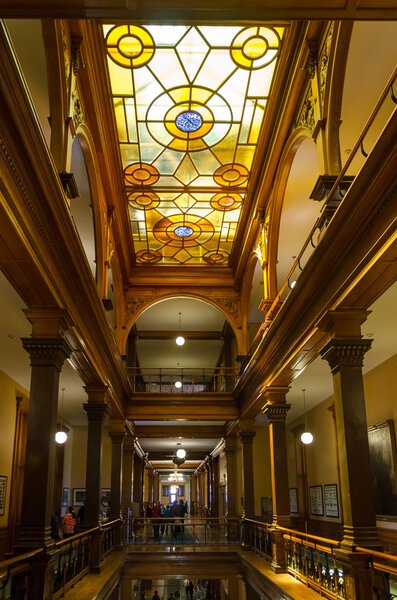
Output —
(180, 340)
(181, 453)
(306, 437)
(61, 436)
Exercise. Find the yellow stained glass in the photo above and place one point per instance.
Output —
(189, 104)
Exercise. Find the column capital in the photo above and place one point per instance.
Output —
(47, 351)
(275, 393)
(96, 393)
(276, 411)
(343, 323)
(230, 445)
(117, 435)
(48, 321)
(246, 437)
(96, 411)
(345, 352)
(129, 447)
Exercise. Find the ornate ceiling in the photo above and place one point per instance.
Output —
(189, 103)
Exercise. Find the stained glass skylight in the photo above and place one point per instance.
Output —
(189, 103)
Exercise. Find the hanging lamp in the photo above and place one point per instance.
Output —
(306, 437)
(180, 340)
(61, 436)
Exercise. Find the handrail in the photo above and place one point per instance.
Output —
(108, 524)
(377, 553)
(188, 520)
(77, 536)
(309, 535)
(20, 558)
(245, 520)
(352, 155)
(179, 369)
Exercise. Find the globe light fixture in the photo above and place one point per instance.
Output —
(180, 340)
(181, 453)
(178, 384)
(306, 437)
(61, 436)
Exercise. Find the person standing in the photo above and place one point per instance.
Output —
(156, 596)
(156, 520)
(69, 523)
(190, 590)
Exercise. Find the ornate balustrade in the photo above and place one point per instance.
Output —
(384, 573)
(257, 536)
(182, 381)
(14, 576)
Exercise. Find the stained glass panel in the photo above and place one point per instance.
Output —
(189, 104)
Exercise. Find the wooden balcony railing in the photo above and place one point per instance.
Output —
(182, 381)
(14, 574)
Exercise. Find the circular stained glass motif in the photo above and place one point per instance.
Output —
(140, 174)
(188, 121)
(183, 231)
(130, 46)
(231, 175)
(255, 47)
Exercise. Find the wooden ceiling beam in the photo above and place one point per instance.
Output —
(223, 11)
(183, 431)
(155, 455)
(204, 407)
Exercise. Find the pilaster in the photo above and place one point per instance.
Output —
(246, 435)
(117, 434)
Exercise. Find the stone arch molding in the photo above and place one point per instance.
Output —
(229, 305)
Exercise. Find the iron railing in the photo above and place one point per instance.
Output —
(188, 531)
(182, 381)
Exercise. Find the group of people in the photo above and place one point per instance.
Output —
(189, 589)
(67, 525)
(159, 515)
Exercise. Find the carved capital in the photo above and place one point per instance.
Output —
(345, 352)
(96, 411)
(47, 352)
(230, 445)
(276, 411)
(129, 446)
(117, 436)
(96, 393)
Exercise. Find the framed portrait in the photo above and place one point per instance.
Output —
(331, 500)
(164, 491)
(78, 496)
(3, 492)
(105, 497)
(293, 500)
(65, 497)
(383, 456)
(181, 490)
(316, 500)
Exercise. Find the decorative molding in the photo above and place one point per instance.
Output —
(96, 411)
(323, 63)
(339, 352)
(306, 115)
(77, 115)
(47, 352)
(276, 412)
(77, 59)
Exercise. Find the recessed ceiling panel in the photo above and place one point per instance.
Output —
(189, 103)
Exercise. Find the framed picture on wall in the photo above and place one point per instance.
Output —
(164, 490)
(266, 506)
(331, 500)
(3, 492)
(293, 500)
(181, 490)
(78, 496)
(383, 456)
(105, 496)
(316, 500)
(66, 497)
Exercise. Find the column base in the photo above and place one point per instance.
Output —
(278, 564)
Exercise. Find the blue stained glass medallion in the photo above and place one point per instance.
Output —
(189, 121)
(183, 231)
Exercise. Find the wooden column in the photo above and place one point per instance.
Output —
(345, 352)
(215, 487)
(156, 487)
(231, 476)
(246, 435)
(137, 483)
(117, 434)
(48, 350)
(150, 485)
(96, 409)
(276, 409)
(127, 476)
(208, 477)
(301, 480)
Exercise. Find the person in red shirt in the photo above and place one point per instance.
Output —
(156, 520)
(69, 523)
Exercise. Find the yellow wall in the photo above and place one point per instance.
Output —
(261, 458)
(380, 388)
(9, 391)
(239, 482)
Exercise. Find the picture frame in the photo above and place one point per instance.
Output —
(105, 496)
(181, 490)
(66, 496)
(293, 500)
(164, 490)
(316, 500)
(266, 506)
(3, 493)
(78, 496)
(331, 501)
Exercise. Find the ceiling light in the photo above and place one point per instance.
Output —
(61, 436)
(181, 453)
(306, 437)
(178, 384)
(180, 340)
